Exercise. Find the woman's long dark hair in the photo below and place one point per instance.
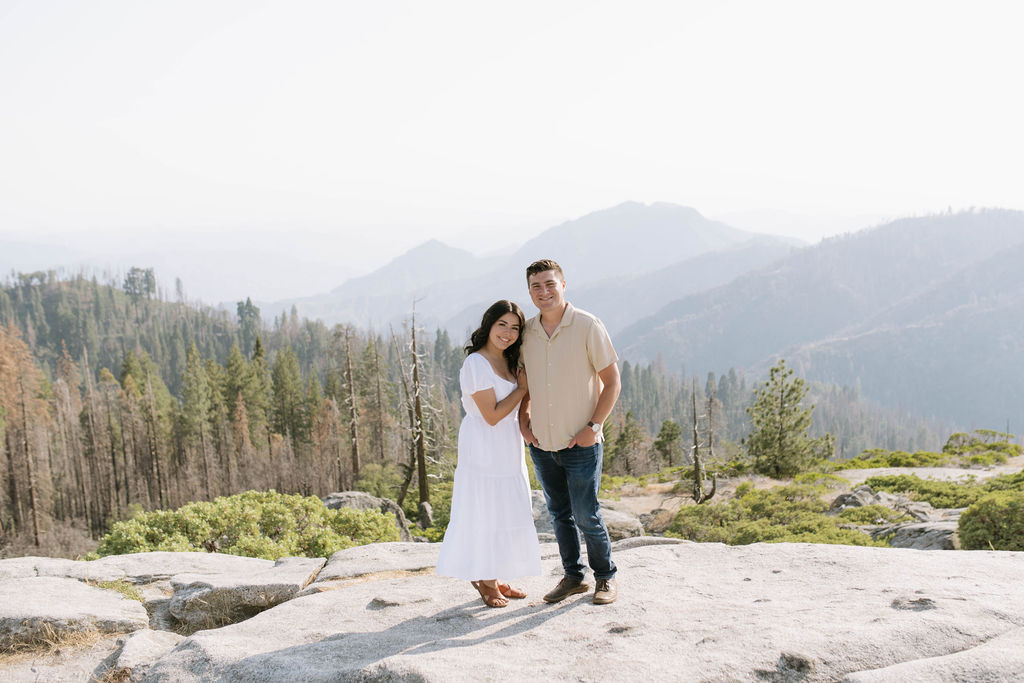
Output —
(478, 339)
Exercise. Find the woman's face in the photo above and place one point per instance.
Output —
(504, 332)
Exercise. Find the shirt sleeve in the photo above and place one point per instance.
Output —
(599, 346)
(476, 375)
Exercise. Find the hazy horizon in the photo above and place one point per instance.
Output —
(336, 136)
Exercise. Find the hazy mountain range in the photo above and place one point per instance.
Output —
(923, 314)
(632, 257)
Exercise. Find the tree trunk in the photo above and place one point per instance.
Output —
(420, 433)
(353, 415)
(33, 501)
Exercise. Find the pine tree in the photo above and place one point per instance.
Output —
(669, 440)
(779, 443)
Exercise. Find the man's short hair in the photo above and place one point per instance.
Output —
(543, 265)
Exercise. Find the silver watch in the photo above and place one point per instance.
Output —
(596, 426)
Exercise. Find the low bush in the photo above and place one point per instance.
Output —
(946, 494)
(793, 513)
(263, 524)
(873, 514)
(829, 481)
(994, 522)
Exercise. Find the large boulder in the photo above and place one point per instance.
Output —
(686, 611)
(211, 600)
(919, 535)
(145, 568)
(360, 500)
(46, 609)
(380, 559)
(26, 567)
(621, 524)
(864, 495)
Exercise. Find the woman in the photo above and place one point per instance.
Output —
(491, 532)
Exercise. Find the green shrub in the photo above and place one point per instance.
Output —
(941, 494)
(263, 524)
(793, 513)
(995, 522)
(829, 481)
(872, 514)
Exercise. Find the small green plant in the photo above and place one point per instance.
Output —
(123, 587)
(263, 524)
(994, 522)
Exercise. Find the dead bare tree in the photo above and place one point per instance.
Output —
(700, 495)
(353, 415)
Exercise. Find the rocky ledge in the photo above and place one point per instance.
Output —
(686, 611)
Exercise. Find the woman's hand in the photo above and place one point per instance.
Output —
(521, 379)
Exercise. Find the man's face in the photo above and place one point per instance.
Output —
(547, 290)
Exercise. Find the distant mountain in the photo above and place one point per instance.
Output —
(452, 287)
(628, 239)
(622, 300)
(387, 294)
(898, 309)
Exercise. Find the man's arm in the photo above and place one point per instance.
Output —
(611, 384)
(525, 427)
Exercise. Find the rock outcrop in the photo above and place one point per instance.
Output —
(686, 611)
(621, 524)
(931, 529)
(48, 608)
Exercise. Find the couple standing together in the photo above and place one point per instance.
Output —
(559, 370)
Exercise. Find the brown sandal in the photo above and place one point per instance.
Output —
(510, 592)
(495, 599)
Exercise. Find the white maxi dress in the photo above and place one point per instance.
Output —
(491, 532)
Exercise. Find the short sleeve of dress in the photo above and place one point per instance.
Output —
(476, 375)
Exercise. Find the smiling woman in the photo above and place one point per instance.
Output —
(491, 532)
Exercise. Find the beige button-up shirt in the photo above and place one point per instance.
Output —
(562, 371)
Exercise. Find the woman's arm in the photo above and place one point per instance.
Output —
(494, 410)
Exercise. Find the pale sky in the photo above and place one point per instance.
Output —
(357, 130)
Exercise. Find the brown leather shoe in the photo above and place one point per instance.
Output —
(565, 588)
(605, 592)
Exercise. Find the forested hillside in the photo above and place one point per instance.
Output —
(922, 314)
(112, 400)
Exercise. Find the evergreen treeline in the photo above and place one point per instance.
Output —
(114, 399)
(654, 411)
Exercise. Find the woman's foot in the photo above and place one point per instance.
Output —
(510, 592)
(490, 593)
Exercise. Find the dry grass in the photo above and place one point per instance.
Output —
(43, 640)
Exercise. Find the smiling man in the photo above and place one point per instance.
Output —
(573, 385)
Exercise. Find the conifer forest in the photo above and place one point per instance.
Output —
(115, 398)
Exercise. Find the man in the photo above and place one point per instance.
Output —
(573, 384)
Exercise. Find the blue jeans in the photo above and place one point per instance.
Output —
(570, 479)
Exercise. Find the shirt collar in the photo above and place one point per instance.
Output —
(568, 317)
